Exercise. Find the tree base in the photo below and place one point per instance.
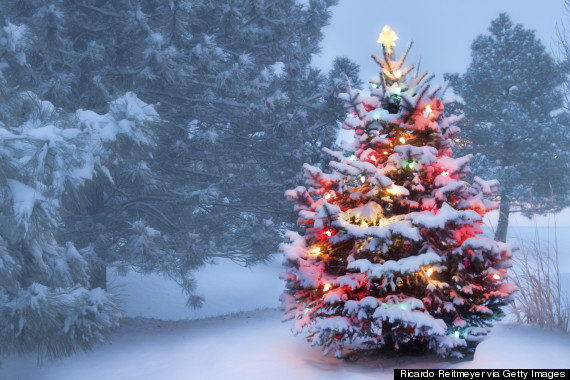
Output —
(412, 349)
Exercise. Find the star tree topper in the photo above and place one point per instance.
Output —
(387, 38)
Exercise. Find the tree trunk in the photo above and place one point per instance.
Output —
(389, 344)
(92, 203)
(503, 225)
(98, 275)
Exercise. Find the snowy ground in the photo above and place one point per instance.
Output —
(255, 345)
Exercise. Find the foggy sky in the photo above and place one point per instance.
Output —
(442, 30)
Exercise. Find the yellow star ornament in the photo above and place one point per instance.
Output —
(387, 37)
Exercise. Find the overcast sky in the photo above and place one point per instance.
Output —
(442, 30)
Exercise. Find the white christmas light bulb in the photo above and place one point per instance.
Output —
(393, 190)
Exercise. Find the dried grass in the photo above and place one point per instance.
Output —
(540, 300)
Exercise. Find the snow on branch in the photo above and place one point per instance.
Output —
(406, 265)
(445, 215)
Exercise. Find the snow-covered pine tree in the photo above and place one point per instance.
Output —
(47, 302)
(240, 109)
(515, 124)
(391, 253)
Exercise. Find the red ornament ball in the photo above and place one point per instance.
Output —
(407, 245)
(338, 336)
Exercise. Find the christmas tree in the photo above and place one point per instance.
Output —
(391, 255)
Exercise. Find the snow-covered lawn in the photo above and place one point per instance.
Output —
(256, 345)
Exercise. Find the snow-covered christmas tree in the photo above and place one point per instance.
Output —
(391, 254)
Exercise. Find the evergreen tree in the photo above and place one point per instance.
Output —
(513, 120)
(239, 106)
(47, 303)
(391, 253)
